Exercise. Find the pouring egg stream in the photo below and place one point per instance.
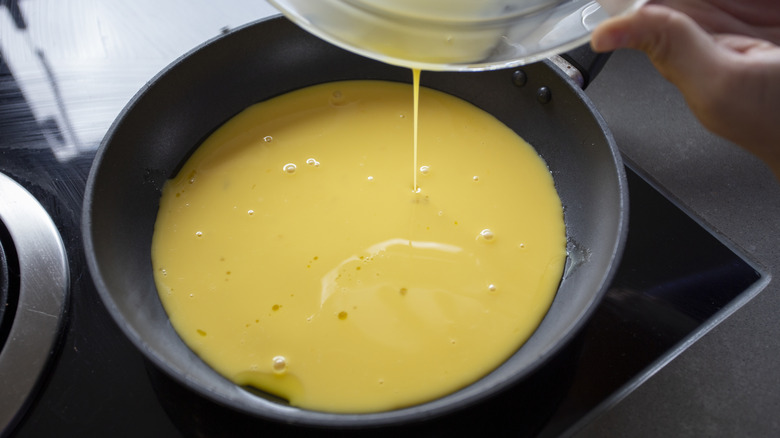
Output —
(292, 257)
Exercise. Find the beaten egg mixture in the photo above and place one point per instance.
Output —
(294, 253)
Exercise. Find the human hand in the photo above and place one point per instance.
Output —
(723, 56)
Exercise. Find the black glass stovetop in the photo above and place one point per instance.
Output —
(676, 280)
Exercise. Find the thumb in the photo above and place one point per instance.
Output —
(681, 50)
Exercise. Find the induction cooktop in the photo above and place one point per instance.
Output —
(676, 280)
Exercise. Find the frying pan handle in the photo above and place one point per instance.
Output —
(586, 61)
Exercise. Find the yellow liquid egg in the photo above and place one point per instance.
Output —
(293, 255)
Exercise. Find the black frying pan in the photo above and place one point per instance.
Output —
(180, 107)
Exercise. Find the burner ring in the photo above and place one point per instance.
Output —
(43, 290)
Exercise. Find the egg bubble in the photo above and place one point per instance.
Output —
(475, 178)
(486, 235)
(313, 162)
(289, 168)
(268, 139)
(199, 234)
(337, 98)
(279, 364)
(492, 287)
(425, 170)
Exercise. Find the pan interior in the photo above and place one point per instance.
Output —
(186, 102)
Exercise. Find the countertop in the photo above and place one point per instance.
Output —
(78, 62)
(727, 382)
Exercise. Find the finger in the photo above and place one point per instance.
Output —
(742, 44)
(680, 49)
